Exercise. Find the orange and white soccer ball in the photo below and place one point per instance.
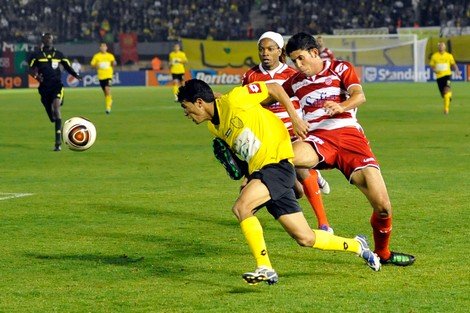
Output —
(79, 133)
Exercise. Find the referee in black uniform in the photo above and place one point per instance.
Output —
(44, 67)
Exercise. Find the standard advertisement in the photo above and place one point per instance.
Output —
(401, 74)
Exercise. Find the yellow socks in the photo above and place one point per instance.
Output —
(175, 90)
(108, 102)
(447, 98)
(327, 241)
(253, 233)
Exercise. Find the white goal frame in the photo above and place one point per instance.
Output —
(380, 50)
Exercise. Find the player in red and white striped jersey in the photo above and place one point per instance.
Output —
(329, 93)
(274, 69)
(325, 53)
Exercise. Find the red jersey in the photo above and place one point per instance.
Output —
(327, 54)
(278, 75)
(331, 84)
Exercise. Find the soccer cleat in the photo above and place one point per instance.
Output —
(261, 274)
(108, 111)
(326, 228)
(399, 259)
(57, 147)
(323, 184)
(372, 260)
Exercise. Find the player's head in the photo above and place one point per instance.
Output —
(301, 41)
(103, 47)
(176, 47)
(194, 96)
(47, 40)
(271, 50)
(441, 46)
(303, 50)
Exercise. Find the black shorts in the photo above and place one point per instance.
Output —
(106, 83)
(279, 178)
(443, 82)
(48, 95)
(179, 77)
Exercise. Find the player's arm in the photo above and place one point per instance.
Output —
(33, 70)
(66, 64)
(455, 67)
(278, 93)
(94, 62)
(356, 98)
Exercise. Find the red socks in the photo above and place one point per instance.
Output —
(382, 229)
(312, 192)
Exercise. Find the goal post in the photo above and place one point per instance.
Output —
(381, 50)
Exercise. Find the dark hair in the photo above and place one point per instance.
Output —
(301, 41)
(44, 35)
(194, 89)
(283, 56)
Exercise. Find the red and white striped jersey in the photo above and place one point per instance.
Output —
(278, 75)
(327, 54)
(330, 84)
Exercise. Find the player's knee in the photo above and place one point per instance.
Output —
(383, 207)
(241, 211)
(305, 240)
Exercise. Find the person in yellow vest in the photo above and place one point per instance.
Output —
(177, 60)
(441, 63)
(104, 62)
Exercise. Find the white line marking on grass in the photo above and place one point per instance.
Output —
(11, 195)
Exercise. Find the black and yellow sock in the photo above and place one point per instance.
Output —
(327, 241)
(108, 102)
(253, 233)
(447, 98)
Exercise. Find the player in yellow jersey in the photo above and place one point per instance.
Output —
(177, 60)
(441, 63)
(258, 137)
(104, 62)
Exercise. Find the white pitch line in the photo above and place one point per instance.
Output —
(11, 195)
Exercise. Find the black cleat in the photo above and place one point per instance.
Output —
(399, 259)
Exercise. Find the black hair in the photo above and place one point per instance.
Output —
(301, 41)
(194, 89)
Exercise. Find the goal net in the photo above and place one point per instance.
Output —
(383, 50)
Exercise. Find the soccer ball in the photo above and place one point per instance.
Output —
(79, 133)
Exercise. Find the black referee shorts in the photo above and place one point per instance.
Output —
(48, 95)
(279, 178)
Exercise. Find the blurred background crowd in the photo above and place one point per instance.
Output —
(169, 20)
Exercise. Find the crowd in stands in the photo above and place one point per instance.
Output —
(169, 20)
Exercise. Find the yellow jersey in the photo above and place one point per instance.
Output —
(177, 60)
(103, 62)
(254, 133)
(441, 63)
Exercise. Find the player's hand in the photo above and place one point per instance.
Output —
(300, 127)
(333, 108)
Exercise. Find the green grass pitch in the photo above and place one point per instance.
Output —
(142, 221)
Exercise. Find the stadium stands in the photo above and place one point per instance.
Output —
(168, 20)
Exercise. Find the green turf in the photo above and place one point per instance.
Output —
(142, 221)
